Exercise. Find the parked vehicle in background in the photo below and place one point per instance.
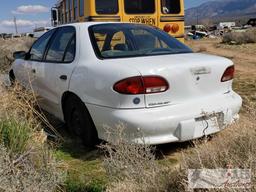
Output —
(164, 14)
(226, 25)
(38, 32)
(95, 74)
(252, 22)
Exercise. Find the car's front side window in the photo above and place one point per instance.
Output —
(38, 48)
(62, 41)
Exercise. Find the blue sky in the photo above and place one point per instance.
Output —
(31, 13)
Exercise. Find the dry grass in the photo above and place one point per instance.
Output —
(26, 174)
(239, 38)
(26, 162)
(132, 167)
(8, 47)
(234, 147)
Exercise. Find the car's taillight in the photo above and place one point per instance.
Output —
(141, 85)
(228, 74)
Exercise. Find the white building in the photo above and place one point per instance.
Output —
(228, 25)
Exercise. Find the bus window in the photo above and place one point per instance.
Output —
(139, 6)
(171, 6)
(118, 42)
(70, 10)
(66, 11)
(75, 9)
(111, 7)
(81, 8)
(101, 39)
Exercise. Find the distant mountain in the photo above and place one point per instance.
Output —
(222, 10)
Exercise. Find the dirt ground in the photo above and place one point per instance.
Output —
(243, 56)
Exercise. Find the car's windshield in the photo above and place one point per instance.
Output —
(132, 40)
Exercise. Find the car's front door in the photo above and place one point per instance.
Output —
(53, 74)
(25, 71)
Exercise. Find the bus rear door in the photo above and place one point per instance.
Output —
(171, 17)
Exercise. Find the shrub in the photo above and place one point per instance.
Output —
(240, 37)
(15, 135)
(132, 167)
(234, 147)
(8, 47)
(22, 174)
(26, 162)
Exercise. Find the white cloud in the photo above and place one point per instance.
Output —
(21, 23)
(24, 23)
(30, 9)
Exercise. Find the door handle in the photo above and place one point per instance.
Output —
(33, 71)
(63, 77)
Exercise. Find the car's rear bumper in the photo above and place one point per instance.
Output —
(173, 123)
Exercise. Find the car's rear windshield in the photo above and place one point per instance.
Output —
(133, 40)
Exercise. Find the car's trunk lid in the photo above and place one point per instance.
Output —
(190, 76)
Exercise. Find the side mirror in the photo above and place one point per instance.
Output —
(55, 19)
(27, 56)
(19, 55)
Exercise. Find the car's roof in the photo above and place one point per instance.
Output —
(88, 24)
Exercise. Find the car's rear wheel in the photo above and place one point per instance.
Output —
(79, 121)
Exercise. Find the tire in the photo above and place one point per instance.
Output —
(79, 121)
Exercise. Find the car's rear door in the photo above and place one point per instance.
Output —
(56, 69)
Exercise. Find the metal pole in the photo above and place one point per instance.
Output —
(15, 24)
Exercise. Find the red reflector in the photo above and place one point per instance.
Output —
(228, 74)
(141, 85)
(174, 28)
(167, 28)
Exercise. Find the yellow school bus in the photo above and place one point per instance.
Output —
(164, 14)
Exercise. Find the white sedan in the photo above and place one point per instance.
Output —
(93, 75)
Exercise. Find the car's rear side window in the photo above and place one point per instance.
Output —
(106, 6)
(171, 6)
(139, 6)
(38, 48)
(70, 51)
(60, 45)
